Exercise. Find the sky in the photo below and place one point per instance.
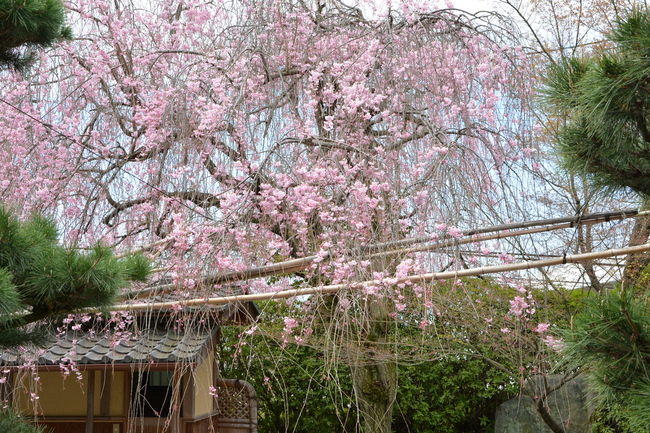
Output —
(474, 5)
(466, 5)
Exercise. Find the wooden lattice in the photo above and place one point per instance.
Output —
(233, 402)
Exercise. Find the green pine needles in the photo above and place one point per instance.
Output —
(39, 279)
(610, 338)
(29, 24)
(606, 103)
(12, 423)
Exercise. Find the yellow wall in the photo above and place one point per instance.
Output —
(203, 401)
(56, 397)
(59, 397)
(118, 393)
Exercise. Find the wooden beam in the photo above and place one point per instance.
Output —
(90, 402)
(156, 366)
(176, 401)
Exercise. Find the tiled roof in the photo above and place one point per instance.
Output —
(150, 346)
(154, 343)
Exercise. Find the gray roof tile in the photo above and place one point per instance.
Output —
(154, 345)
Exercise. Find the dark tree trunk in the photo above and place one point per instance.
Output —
(542, 410)
(374, 378)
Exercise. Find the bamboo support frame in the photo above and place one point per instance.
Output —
(295, 265)
(471, 240)
(572, 220)
(414, 279)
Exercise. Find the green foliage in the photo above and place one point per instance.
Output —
(137, 267)
(306, 393)
(28, 24)
(610, 338)
(608, 420)
(300, 394)
(606, 101)
(11, 423)
(39, 279)
(452, 395)
(9, 298)
(295, 389)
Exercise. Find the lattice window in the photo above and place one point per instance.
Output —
(233, 402)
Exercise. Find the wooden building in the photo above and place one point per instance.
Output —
(157, 379)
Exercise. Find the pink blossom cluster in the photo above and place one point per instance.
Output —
(233, 135)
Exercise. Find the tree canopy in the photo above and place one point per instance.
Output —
(40, 279)
(606, 99)
(232, 134)
(224, 136)
(606, 136)
(28, 24)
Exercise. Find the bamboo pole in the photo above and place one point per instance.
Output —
(471, 240)
(295, 265)
(572, 220)
(575, 220)
(416, 279)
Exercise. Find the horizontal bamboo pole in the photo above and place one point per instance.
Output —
(416, 279)
(572, 220)
(605, 216)
(471, 240)
(299, 264)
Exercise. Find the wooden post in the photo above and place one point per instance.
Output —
(187, 396)
(176, 402)
(128, 389)
(90, 401)
(105, 402)
(6, 395)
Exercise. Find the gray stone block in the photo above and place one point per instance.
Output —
(568, 406)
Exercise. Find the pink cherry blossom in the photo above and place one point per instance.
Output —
(542, 327)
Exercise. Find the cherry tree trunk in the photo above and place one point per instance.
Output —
(374, 377)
